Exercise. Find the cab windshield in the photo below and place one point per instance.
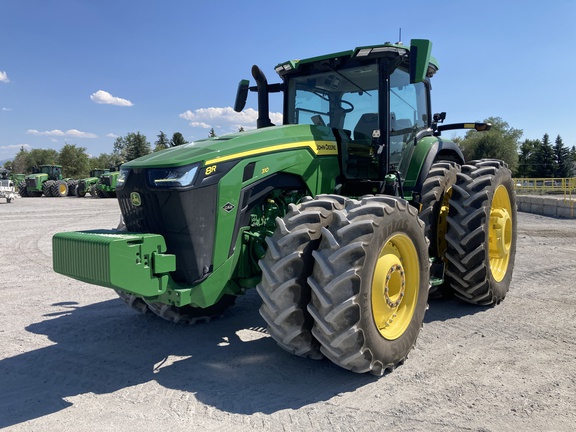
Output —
(348, 100)
(334, 99)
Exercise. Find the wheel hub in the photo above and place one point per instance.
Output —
(501, 240)
(395, 279)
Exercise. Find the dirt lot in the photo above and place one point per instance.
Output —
(74, 357)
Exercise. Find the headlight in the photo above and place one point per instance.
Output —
(173, 177)
(122, 177)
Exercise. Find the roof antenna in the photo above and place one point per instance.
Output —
(399, 36)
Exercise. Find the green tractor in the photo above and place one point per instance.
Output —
(106, 186)
(46, 180)
(87, 185)
(343, 217)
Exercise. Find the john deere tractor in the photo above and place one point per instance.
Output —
(342, 217)
(46, 180)
(85, 185)
(106, 186)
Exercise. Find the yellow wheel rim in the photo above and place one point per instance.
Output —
(62, 188)
(395, 286)
(500, 233)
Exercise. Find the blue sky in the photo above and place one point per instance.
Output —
(87, 71)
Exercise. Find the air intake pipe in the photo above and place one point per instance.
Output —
(263, 103)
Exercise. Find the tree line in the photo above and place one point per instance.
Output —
(76, 163)
(531, 158)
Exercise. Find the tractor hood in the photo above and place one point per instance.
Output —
(318, 139)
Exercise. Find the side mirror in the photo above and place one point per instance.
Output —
(419, 59)
(479, 127)
(241, 95)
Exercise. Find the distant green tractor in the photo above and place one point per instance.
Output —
(46, 180)
(342, 217)
(86, 185)
(106, 186)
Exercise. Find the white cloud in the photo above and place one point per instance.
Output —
(226, 119)
(71, 133)
(103, 97)
(111, 135)
(4, 77)
(15, 147)
(6, 109)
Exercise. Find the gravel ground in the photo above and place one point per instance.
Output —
(74, 357)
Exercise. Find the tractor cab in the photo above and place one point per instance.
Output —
(52, 172)
(376, 101)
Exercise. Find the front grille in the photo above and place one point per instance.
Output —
(32, 183)
(106, 181)
(185, 218)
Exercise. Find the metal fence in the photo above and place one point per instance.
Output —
(541, 186)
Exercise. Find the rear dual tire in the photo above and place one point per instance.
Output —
(482, 231)
(367, 294)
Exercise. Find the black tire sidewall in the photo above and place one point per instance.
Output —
(385, 350)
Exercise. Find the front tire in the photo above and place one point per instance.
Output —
(47, 188)
(370, 284)
(481, 237)
(72, 187)
(81, 189)
(133, 301)
(285, 268)
(189, 314)
(22, 189)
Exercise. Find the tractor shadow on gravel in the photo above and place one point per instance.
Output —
(449, 307)
(230, 364)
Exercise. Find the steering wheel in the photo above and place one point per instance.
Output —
(346, 110)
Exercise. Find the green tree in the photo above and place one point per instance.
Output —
(177, 139)
(543, 161)
(132, 146)
(500, 142)
(104, 161)
(137, 146)
(527, 150)
(162, 142)
(20, 162)
(74, 161)
(562, 156)
(119, 148)
(39, 157)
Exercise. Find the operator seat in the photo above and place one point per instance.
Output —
(400, 129)
(367, 123)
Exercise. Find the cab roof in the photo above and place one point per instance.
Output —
(364, 52)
